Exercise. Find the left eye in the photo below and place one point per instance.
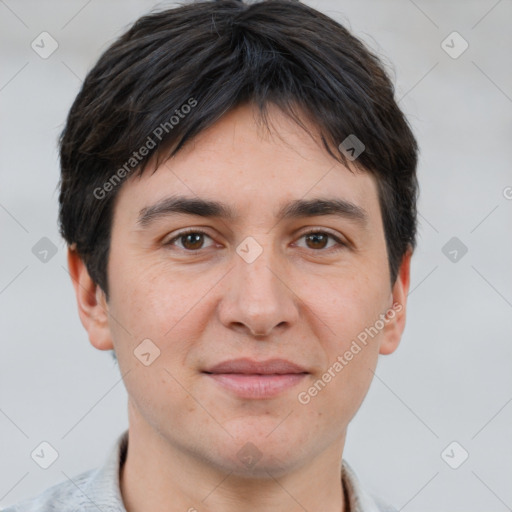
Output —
(194, 240)
(319, 239)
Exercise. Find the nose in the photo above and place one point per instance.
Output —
(259, 297)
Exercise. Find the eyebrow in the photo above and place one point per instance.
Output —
(295, 209)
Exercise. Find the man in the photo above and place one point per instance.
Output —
(238, 195)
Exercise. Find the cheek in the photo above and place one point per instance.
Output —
(347, 305)
(161, 400)
(349, 310)
(335, 395)
(153, 301)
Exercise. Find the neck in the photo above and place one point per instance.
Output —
(162, 477)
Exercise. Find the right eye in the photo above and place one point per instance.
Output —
(191, 240)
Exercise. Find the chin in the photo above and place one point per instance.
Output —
(262, 456)
(264, 467)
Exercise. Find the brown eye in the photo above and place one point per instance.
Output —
(189, 241)
(192, 241)
(317, 240)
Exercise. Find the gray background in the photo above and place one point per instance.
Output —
(450, 380)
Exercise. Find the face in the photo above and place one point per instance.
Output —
(265, 324)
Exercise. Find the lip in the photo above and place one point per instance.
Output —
(250, 379)
(252, 367)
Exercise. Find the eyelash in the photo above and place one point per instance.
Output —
(341, 244)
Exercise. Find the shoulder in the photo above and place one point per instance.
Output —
(359, 499)
(382, 506)
(64, 496)
(90, 491)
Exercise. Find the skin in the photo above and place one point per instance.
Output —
(299, 300)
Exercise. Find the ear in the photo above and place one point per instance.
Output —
(92, 303)
(395, 316)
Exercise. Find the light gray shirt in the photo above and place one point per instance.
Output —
(98, 490)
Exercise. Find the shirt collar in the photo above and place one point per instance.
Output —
(358, 499)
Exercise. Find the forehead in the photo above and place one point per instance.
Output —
(237, 161)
